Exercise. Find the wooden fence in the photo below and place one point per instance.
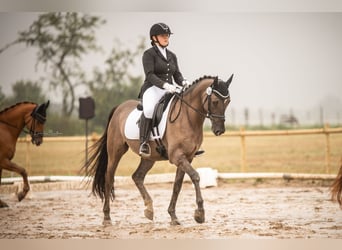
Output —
(243, 134)
(324, 131)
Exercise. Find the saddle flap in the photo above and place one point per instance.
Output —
(160, 108)
(132, 125)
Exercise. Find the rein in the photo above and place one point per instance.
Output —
(32, 131)
(9, 124)
(209, 115)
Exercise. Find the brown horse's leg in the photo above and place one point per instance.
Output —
(336, 187)
(2, 204)
(113, 161)
(177, 186)
(138, 178)
(10, 166)
(185, 166)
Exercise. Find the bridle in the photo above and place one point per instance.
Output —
(36, 117)
(209, 91)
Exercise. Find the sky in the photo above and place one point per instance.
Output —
(282, 61)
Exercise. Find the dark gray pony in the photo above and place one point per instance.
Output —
(208, 97)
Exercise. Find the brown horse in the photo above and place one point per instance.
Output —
(12, 122)
(336, 188)
(208, 97)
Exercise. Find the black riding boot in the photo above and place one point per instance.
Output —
(145, 132)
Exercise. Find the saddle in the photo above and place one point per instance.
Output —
(159, 109)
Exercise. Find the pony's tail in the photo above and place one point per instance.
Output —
(97, 163)
(336, 187)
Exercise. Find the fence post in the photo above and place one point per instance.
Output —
(327, 148)
(243, 150)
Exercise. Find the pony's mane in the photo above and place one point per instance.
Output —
(13, 106)
(195, 83)
(202, 78)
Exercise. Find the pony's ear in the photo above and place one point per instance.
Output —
(230, 80)
(42, 108)
(47, 104)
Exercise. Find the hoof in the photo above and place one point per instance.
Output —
(175, 222)
(107, 222)
(199, 216)
(149, 214)
(21, 196)
(3, 204)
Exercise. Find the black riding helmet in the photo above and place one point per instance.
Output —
(159, 29)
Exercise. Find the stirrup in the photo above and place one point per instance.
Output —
(199, 153)
(145, 150)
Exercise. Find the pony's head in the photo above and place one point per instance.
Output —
(218, 98)
(35, 123)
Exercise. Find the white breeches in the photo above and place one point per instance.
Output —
(150, 98)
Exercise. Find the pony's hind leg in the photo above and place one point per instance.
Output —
(113, 161)
(138, 178)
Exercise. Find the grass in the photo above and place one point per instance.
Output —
(290, 154)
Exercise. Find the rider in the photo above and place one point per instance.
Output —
(162, 75)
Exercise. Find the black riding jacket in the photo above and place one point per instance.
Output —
(159, 70)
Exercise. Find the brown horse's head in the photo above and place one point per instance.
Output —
(218, 99)
(35, 123)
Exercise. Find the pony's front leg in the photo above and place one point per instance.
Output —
(3, 204)
(10, 166)
(177, 186)
(26, 188)
(185, 166)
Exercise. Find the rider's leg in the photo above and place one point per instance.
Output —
(145, 132)
(149, 100)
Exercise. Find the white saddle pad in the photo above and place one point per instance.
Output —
(132, 128)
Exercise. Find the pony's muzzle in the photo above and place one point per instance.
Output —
(37, 141)
(218, 130)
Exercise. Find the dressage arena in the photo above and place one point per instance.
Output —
(235, 209)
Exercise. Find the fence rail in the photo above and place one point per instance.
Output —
(242, 133)
(324, 131)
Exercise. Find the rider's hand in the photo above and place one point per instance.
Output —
(169, 87)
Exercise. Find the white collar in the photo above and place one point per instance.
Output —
(162, 50)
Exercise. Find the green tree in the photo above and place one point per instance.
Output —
(24, 91)
(62, 39)
(27, 91)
